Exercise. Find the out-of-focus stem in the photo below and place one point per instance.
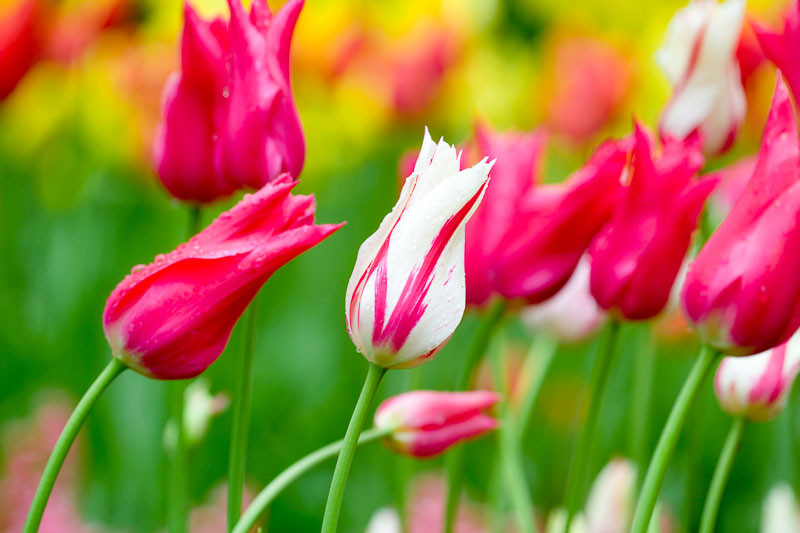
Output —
(597, 385)
(721, 473)
(643, 365)
(455, 458)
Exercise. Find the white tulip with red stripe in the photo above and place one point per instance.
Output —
(699, 59)
(407, 292)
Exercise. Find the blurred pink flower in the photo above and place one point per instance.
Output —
(637, 255)
(228, 117)
(211, 516)
(590, 81)
(572, 314)
(426, 423)
(426, 509)
(519, 160)
(757, 386)
(742, 292)
(26, 447)
(698, 58)
(21, 43)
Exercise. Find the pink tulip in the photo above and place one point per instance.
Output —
(733, 180)
(426, 423)
(172, 318)
(637, 256)
(609, 507)
(519, 158)
(699, 59)
(781, 47)
(406, 295)
(554, 225)
(757, 386)
(742, 293)
(591, 80)
(228, 117)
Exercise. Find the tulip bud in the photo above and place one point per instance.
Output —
(572, 314)
(554, 225)
(385, 520)
(172, 318)
(426, 423)
(228, 117)
(781, 513)
(742, 293)
(781, 48)
(519, 162)
(638, 254)
(609, 507)
(699, 59)
(757, 386)
(406, 294)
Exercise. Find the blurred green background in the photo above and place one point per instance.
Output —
(79, 206)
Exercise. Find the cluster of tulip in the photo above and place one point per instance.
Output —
(475, 227)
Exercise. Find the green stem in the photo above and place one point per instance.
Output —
(455, 457)
(639, 430)
(669, 438)
(597, 387)
(291, 474)
(241, 419)
(177, 476)
(513, 468)
(721, 474)
(336, 495)
(537, 365)
(177, 507)
(113, 369)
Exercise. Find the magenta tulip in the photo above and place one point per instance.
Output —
(782, 47)
(519, 158)
(637, 255)
(426, 423)
(228, 117)
(554, 225)
(172, 318)
(742, 293)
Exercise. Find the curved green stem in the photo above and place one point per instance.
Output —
(336, 495)
(241, 419)
(291, 474)
(455, 458)
(721, 473)
(597, 386)
(669, 438)
(113, 369)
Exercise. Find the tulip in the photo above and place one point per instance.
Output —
(555, 224)
(610, 504)
(637, 256)
(172, 318)
(406, 294)
(698, 58)
(228, 117)
(733, 180)
(385, 520)
(756, 387)
(572, 314)
(781, 513)
(518, 167)
(426, 423)
(590, 81)
(742, 293)
(781, 48)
